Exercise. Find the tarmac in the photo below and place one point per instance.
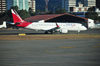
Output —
(49, 52)
(62, 52)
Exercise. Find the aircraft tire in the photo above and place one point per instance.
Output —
(46, 32)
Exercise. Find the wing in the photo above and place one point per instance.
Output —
(55, 29)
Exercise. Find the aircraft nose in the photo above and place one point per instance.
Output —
(84, 28)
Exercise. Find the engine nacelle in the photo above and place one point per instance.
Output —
(64, 31)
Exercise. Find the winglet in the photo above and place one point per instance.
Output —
(57, 25)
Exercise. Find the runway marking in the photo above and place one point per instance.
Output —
(22, 34)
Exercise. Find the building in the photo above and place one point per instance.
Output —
(67, 18)
(80, 8)
(67, 4)
(9, 4)
(2, 6)
(80, 5)
(40, 5)
(98, 4)
(62, 4)
(54, 5)
(22, 4)
(84, 2)
(32, 5)
(87, 3)
(91, 3)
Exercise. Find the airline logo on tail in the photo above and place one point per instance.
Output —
(16, 17)
(18, 21)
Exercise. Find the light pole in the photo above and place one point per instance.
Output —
(46, 7)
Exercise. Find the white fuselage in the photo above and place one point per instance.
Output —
(63, 26)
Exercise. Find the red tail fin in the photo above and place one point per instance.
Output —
(18, 21)
(16, 17)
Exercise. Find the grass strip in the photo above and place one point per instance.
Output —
(49, 36)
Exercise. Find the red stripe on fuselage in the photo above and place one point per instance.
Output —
(24, 24)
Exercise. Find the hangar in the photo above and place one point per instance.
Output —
(69, 18)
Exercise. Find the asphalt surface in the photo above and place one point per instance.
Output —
(32, 32)
(65, 52)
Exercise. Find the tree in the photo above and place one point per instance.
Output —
(7, 16)
(98, 19)
(23, 13)
(60, 11)
(92, 9)
(31, 12)
(15, 8)
(91, 13)
(2, 15)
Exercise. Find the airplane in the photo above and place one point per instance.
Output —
(3, 25)
(48, 27)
